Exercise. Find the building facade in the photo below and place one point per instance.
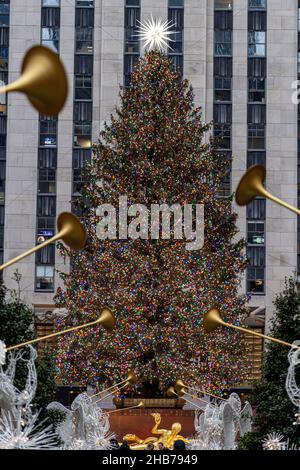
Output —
(241, 57)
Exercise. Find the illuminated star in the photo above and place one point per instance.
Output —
(156, 33)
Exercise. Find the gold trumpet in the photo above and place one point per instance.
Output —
(179, 385)
(113, 392)
(131, 379)
(140, 405)
(43, 80)
(213, 320)
(106, 319)
(180, 394)
(251, 186)
(70, 230)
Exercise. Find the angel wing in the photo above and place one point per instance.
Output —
(198, 421)
(228, 427)
(246, 419)
(292, 388)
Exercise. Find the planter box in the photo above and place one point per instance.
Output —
(149, 402)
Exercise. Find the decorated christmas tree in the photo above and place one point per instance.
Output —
(155, 150)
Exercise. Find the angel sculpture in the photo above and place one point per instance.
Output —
(10, 396)
(85, 425)
(18, 424)
(218, 427)
(209, 427)
(292, 388)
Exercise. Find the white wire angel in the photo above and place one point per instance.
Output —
(18, 425)
(10, 396)
(209, 427)
(85, 425)
(292, 388)
(218, 427)
(17, 433)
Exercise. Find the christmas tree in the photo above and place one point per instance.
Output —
(154, 151)
(274, 410)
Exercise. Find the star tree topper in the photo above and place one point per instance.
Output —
(155, 33)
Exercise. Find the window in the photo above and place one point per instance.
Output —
(255, 280)
(83, 111)
(48, 131)
(50, 17)
(256, 210)
(223, 4)
(257, 21)
(223, 43)
(47, 159)
(175, 3)
(256, 255)
(50, 38)
(50, 3)
(256, 137)
(47, 181)
(84, 40)
(84, 3)
(223, 20)
(256, 158)
(256, 114)
(257, 44)
(46, 206)
(177, 61)
(257, 4)
(223, 134)
(222, 113)
(45, 278)
(83, 65)
(2, 175)
(131, 42)
(80, 159)
(257, 90)
(256, 233)
(84, 18)
(222, 89)
(46, 227)
(225, 188)
(257, 67)
(4, 14)
(129, 63)
(46, 255)
(223, 67)
(176, 19)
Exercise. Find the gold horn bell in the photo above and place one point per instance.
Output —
(213, 320)
(252, 185)
(106, 319)
(70, 231)
(43, 80)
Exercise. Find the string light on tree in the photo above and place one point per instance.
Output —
(154, 152)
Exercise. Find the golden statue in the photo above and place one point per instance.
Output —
(166, 436)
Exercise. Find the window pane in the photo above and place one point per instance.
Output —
(224, 4)
(50, 3)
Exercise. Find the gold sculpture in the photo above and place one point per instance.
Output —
(106, 319)
(43, 80)
(70, 230)
(166, 436)
(213, 320)
(251, 186)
